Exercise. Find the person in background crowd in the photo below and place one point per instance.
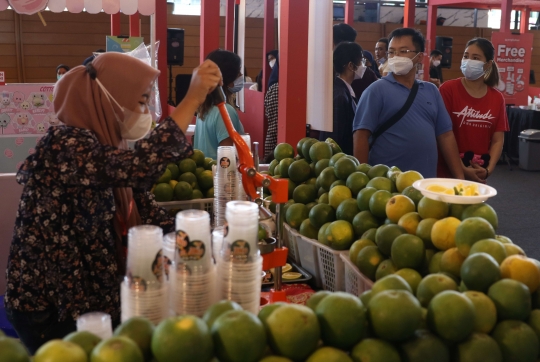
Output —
(343, 32)
(93, 56)
(271, 58)
(370, 63)
(411, 143)
(83, 189)
(61, 70)
(210, 131)
(271, 111)
(381, 47)
(477, 110)
(435, 70)
(363, 78)
(348, 63)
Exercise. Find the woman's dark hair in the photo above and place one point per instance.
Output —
(62, 66)
(343, 32)
(229, 64)
(345, 53)
(491, 78)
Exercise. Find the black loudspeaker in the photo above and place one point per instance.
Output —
(444, 45)
(175, 46)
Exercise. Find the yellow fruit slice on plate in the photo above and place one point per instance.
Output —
(291, 275)
(286, 268)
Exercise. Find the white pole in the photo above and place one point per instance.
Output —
(320, 73)
(153, 61)
(241, 46)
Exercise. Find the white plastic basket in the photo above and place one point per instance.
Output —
(355, 282)
(306, 253)
(331, 268)
(289, 240)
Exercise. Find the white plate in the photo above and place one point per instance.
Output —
(485, 191)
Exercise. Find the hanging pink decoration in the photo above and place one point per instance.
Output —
(28, 7)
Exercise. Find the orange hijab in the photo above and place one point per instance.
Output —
(80, 102)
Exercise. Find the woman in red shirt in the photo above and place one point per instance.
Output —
(477, 110)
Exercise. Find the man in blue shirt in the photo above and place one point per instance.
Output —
(411, 143)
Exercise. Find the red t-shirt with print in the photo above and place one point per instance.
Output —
(474, 120)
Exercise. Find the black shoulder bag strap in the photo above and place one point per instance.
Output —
(396, 117)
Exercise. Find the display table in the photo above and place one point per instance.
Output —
(518, 120)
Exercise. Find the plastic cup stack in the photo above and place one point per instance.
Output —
(169, 247)
(241, 193)
(217, 241)
(225, 182)
(97, 323)
(194, 280)
(239, 265)
(144, 291)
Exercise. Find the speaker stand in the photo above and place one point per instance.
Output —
(170, 101)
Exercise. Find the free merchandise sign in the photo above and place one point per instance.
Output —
(513, 57)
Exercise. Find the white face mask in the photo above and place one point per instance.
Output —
(135, 125)
(237, 85)
(436, 63)
(359, 72)
(272, 63)
(472, 69)
(400, 65)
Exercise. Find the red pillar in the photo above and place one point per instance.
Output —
(294, 22)
(209, 27)
(349, 12)
(431, 30)
(506, 12)
(524, 23)
(229, 25)
(408, 14)
(134, 25)
(115, 24)
(161, 36)
(269, 41)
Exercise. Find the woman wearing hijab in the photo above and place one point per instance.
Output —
(347, 64)
(370, 63)
(271, 58)
(83, 189)
(210, 131)
(271, 112)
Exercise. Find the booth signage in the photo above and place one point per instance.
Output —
(513, 57)
(2, 78)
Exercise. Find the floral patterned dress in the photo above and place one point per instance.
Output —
(63, 251)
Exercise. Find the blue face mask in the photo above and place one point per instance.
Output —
(472, 69)
(238, 84)
(58, 76)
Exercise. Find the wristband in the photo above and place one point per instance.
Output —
(487, 172)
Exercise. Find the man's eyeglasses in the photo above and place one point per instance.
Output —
(400, 53)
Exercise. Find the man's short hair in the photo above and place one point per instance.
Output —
(417, 37)
(435, 53)
(385, 41)
(343, 32)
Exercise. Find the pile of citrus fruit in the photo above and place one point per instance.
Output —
(387, 324)
(190, 179)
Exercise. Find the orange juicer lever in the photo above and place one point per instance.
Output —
(251, 180)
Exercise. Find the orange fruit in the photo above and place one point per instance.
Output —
(523, 270)
(398, 206)
(443, 233)
(410, 222)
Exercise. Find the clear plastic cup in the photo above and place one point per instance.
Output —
(145, 259)
(193, 241)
